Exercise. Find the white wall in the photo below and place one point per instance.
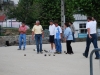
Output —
(15, 24)
(77, 29)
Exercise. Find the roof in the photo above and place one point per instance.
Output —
(2, 18)
(80, 17)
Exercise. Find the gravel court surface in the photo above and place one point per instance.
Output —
(13, 61)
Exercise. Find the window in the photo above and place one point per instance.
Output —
(82, 27)
(83, 30)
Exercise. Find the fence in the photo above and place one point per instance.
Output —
(91, 60)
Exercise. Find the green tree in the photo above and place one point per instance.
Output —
(69, 10)
(43, 10)
(51, 10)
(89, 8)
(27, 11)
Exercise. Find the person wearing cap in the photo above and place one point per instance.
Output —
(22, 36)
(37, 30)
(51, 35)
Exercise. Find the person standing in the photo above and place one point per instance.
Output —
(57, 36)
(51, 35)
(68, 38)
(73, 30)
(37, 30)
(91, 37)
(22, 36)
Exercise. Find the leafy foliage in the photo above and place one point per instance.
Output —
(89, 8)
(45, 10)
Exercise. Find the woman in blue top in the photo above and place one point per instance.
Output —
(68, 37)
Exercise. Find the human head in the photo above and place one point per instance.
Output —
(51, 22)
(70, 23)
(66, 24)
(37, 22)
(93, 18)
(56, 23)
(89, 18)
(23, 23)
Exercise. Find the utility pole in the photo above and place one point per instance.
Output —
(62, 12)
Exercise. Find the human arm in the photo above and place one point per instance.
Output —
(33, 33)
(88, 30)
(73, 29)
(42, 32)
(66, 33)
(25, 29)
(60, 32)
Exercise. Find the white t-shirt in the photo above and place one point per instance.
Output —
(92, 26)
(58, 31)
(52, 29)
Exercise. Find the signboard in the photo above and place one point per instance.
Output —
(82, 35)
(98, 32)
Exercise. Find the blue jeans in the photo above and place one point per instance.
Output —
(58, 45)
(73, 37)
(38, 39)
(88, 42)
(22, 40)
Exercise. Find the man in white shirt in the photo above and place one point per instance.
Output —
(51, 37)
(91, 37)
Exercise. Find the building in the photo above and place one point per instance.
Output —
(80, 25)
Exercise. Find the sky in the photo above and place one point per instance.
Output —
(15, 1)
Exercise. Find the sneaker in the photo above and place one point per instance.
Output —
(84, 55)
(59, 52)
(97, 58)
(37, 52)
(19, 49)
(50, 51)
(23, 48)
(41, 52)
(54, 51)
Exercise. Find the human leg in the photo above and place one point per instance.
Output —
(68, 46)
(40, 42)
(51, 40)
(88, 42)
(59, 45)
(56, 44)
(24, 41)
(73, 37)
(37, 42)
(71, 51)
(20, 41)
(94, 41)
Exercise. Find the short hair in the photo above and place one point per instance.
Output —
(71, 22)
(23, 22)
(67, 24)
(89, 18)
(55, 22)
(37, 21)
(51, 21)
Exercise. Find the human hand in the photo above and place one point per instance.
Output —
(64, 40)
(90, 36)
(32, 38)
(42, 36)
